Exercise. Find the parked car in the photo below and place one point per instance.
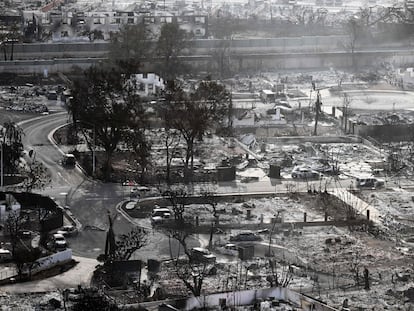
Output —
(59, 241)
(305, 173)
(203, 255)
(136, 191)
(68, 230)
(69, 160)
(25, 234)
(5, 255)
(369, 182)
(245, 236)
(160, 215)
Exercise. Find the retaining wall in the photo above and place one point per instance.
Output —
(51, 261)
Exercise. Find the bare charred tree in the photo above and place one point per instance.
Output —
(355, 267)
(279, 277)
(14, 223)
(346, 106)
(171, 142)
(221, 56)
(192, 273)
(178, 198)
(341, 76)
(127, 244)
(23, 256)
(211, 199)
(123, 247)
(353, 29)
(390, 14)
(318, 105)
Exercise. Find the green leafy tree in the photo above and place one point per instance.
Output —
(171, 42)
(111, 99)
(26, 257)
(137, 142)
(130, 46)
(193, 114)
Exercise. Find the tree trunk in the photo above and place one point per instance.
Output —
(12, 51)
(186, 164)
(108, 165)
(168, 167)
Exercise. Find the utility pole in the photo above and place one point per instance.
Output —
(2, 140)
(1, 164)
(318, 105)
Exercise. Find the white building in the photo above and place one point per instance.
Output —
(148, 83)
(406, 78)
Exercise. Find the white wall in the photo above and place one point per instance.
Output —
(248, 297)
(51, 261)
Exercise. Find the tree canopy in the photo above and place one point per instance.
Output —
(130, 46)
(171, 42)
(194, 113)
(110, 97)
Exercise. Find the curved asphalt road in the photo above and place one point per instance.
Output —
(89, 200)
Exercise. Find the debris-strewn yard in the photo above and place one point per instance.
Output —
(326, 262)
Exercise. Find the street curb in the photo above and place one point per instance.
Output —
(127, 216)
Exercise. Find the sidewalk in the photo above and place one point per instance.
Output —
(81, 274)
(359, 205)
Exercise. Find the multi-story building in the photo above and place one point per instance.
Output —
(75, 23)
(11, 21)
